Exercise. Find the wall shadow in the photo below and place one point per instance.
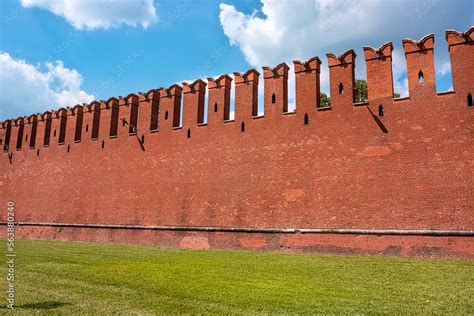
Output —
(378, 121)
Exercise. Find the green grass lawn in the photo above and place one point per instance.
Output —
(67, 277)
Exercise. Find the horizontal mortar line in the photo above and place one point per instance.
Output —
(349, 231)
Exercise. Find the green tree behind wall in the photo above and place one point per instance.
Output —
(361, 90)
(325, 101)
(361, 94)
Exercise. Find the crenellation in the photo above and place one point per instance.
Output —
(149, 121)
(223, 81)
(246, 95)
(105, 115)
(114, 117)
(160, 109)
(170, 108)
(39, 143)
(46, 118)
(312, 64)
(461, 52)
(94, 124)
(454, 37)
(71, 125)
(62, 117)
(413, 46)
(193, 104)
(143, 116)
(250, 75)
(346, 58)
(130, 114)
(275, 90)
(219, 99)
(342, 80)
(308, 88)
(87, 123)
(16, 140)
(79, 131)
(419, 56)
(13, 134)
(379, 71)
(31, 131)
(145, 108)
(382, 52)
(7, 125)
(2, 134)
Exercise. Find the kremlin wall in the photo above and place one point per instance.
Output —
(391, 176)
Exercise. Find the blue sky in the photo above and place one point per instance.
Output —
(58, 53)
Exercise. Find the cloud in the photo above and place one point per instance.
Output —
(27, 89)
(399, 70)
(93, 14)
(291, 28)
(284, 30)
(443, 69)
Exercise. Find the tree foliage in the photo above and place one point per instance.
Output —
(361, 94)
(361, 90)
(325, 101)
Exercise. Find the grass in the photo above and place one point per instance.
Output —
(69, 278)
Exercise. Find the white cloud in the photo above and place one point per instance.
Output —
(292, 29)
(399, 69)
(26, 89)
(93, 14)
(444, 69)
(296, 30)
(285, 30)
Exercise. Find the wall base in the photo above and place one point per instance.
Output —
(336, 243)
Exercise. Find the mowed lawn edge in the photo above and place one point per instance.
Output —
(75, 277)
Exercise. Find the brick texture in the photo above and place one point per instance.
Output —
(347, 168)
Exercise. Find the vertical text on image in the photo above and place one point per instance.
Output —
(10, 254)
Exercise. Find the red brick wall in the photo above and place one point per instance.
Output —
(307, 85)
(342, 83)
(410, 169)
(419, 246)
(219, 100)
(462, 63)
(379, 71)
(275, 90)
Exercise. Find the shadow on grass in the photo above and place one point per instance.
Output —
(40, 305)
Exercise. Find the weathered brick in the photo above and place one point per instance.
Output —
(348, 168)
